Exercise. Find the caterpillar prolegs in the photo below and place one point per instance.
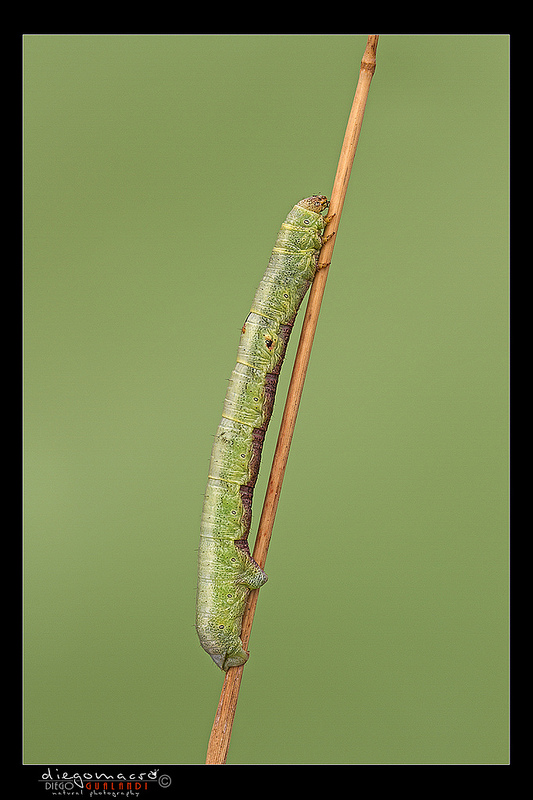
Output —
(226, 569)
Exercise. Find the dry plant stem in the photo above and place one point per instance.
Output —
(221, 732)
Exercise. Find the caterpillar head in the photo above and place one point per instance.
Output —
(316, 203)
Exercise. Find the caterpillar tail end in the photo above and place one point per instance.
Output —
(225, 655)
(227, 660)
(220, 606)
(225, 648)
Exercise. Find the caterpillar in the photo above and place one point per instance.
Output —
(226, 569)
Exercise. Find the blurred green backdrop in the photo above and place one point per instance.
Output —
(157, 172)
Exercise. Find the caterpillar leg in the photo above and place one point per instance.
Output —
(324, 240)
(251, 574)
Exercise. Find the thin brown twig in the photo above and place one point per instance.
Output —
(221, 732)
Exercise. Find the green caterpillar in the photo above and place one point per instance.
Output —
(226, 569)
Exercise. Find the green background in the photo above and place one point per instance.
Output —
(157, 172)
